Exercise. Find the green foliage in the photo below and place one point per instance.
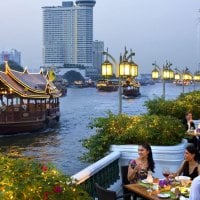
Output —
(25, 179)
(176, 108)
(72, 76)
(13, 65)
(124, 129)
(159, 105)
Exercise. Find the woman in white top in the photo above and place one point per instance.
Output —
(195, 189)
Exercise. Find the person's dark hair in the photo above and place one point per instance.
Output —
(192, 149)
(150, 156)
(187, 113)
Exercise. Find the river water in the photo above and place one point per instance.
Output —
(62, 145)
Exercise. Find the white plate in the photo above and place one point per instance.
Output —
(163, 195)
(179, 178)
(183, 198)
(144, 181)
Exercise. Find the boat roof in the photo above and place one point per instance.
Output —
(28, 85)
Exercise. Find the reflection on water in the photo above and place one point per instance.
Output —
(62, 145)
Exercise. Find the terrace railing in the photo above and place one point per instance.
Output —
(105, 172)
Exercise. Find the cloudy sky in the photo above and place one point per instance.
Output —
(155, 29)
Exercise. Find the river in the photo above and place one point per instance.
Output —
(62, 145)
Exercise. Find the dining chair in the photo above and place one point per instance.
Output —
(127, 194)
(104, 194)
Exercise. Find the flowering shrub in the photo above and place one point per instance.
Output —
(124, 129)
(176, 108)
(25, 179)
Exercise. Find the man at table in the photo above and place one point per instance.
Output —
(188, 121)
(195, 189)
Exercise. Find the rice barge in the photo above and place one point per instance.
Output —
(29, 102)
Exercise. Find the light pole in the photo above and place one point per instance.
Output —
(123, 69)
(165, 73)
(184, 75)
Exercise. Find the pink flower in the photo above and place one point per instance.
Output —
(57, 189)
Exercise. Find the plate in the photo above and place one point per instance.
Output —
(183, 198)
(180, 178)
(163, 195)
(144, 181)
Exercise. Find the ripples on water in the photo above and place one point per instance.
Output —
(62, 145)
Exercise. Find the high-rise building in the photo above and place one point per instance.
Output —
(68, 34)
(98, 48)
(13, 55)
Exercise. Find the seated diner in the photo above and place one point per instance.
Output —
(190, 166)
(139, 167)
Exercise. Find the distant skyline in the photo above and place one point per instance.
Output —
(154, 29)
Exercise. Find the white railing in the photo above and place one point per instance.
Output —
(95, 167)
(164, 156)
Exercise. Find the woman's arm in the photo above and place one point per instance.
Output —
(131, 172)
(180, 170)
(198, 169)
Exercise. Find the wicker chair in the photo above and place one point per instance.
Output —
(104, 194)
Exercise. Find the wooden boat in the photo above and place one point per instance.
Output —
(28, 102)
(182, 82)
(131, 89)
(107, 85)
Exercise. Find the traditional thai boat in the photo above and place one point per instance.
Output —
(131, 89)
(107, 85)
(28, 102)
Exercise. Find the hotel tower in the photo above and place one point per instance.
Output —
(68, 34)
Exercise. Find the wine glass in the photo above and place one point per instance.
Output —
(166, 172)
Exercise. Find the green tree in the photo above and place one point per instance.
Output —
(72, 76)
(124, 129)
(13, 65)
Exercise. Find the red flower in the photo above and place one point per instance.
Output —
(57, 189)
(46, 195)
(44, 168)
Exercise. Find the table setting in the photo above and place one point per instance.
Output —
(170, 187)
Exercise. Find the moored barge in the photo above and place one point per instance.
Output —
(106, 85)
(28, 101)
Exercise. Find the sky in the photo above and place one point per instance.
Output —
(156, 30)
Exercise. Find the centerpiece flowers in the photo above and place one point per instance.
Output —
(25, 179)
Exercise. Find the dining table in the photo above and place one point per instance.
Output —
(141, 190)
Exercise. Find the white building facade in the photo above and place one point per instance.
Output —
(98, 48)
(68, 34)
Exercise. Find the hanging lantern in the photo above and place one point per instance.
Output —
(106, 68)
(124, 69)
(187, 76)
(166, 73)
(133, 69)
(177, 76)
(155, 74)
(197, 76)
